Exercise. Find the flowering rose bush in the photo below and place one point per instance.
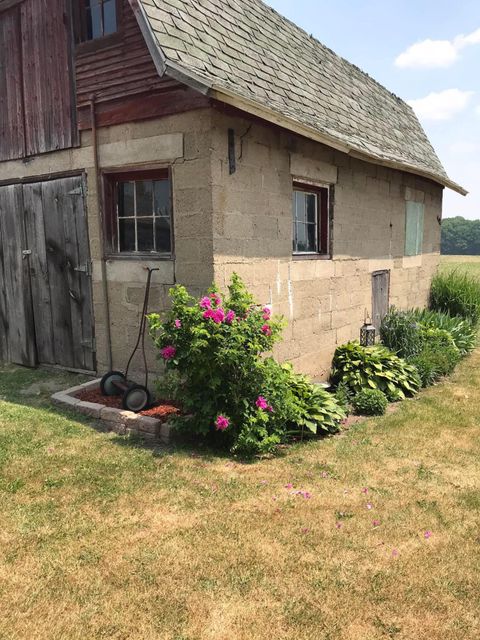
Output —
(213, 350)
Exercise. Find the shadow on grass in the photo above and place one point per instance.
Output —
(33, 388)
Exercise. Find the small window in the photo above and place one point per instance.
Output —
(310, 220)
(98, 18)
(414, 228)
(139, 213)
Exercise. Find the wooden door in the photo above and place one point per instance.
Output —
(60, 272)
(17, 341)
(380, 297)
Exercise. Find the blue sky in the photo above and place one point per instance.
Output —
(382, 37)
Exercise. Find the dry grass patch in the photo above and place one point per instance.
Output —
(101, 538)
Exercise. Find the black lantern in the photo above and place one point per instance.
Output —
(367, 335)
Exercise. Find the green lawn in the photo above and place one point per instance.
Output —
(101, 538)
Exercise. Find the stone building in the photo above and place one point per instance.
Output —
(199, 138)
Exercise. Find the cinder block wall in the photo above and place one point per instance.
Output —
(324, 301)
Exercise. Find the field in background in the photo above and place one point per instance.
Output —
(467, 264)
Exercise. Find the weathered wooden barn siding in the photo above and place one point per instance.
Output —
(37, 99)
(47, 76)
(12, 137)
(125, 81)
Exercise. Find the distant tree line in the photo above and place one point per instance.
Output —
(460, 237)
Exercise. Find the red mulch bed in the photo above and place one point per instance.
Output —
(160, 410)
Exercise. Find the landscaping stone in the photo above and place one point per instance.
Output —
(117, 420)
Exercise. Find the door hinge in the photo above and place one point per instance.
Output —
(75, 192)
(90, 344)
(85, 268)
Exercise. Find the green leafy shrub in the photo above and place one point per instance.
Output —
(370, 402)
(374, 367)
(313, 407)
(400, 332)
(463, 331)
(457, 294)
(213, 349)
(438, 357)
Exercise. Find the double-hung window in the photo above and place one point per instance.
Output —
(139, 213)
(311, 220)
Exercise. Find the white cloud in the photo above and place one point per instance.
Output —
(477, 110)
(442, 105)
(431, 54)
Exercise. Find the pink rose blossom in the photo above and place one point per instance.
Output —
(230, 317)
(427, 535)
(209, 313)
(261, 403)
(205, 303)
(305, 531)
(267, 313)
(289, 486)
(395, 553)
(267, 330)
(222, 423)
(178, 324)
(215, 298)
(369, 506)
(364, 490)
(339, 525)
(168, 353)
(219, 315)
(376, 523)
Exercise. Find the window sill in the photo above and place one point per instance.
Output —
(142, 257)
(89, 46)
(311, 256)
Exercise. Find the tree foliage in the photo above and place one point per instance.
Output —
(460, 237)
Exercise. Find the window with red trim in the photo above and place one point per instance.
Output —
(139, 213)
(311, 220)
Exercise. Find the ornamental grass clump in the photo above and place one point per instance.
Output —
(214, 350)
(457, 294)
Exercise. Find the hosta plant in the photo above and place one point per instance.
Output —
(375, 367)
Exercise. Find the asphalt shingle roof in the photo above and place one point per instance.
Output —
(244, 48)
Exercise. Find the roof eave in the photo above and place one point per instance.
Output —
(254, 108)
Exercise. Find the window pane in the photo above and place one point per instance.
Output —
(94, 19)
(299, 212)
(311, 203)
(162, 198)
(127, 235)
(126, 200)
(162, 235)
(301, 237)
(109, 17)
(144, 197)
(312, 237)
(145, 234)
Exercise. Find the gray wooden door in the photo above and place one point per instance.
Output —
(17, 340)
(380, 297)
(60, 272)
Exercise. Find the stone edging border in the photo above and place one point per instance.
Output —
(117, 420)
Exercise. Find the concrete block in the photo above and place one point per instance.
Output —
(91, 409)
(110, 414)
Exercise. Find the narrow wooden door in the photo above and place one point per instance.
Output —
(17, 340)
(380, 297)
(60, 272)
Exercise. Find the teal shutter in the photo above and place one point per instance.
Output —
(414, 228)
